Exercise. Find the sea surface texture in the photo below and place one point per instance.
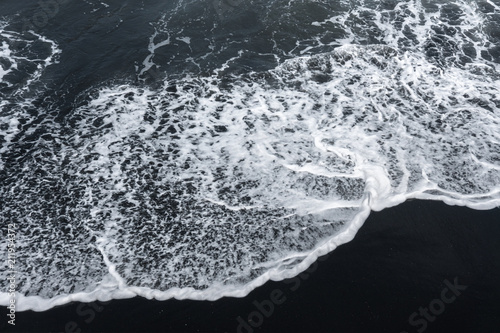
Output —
(197, 149)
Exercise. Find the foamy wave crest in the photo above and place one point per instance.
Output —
(199, 191)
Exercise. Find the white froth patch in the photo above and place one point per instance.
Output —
(186, 40)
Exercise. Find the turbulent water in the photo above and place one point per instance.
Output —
(198, 149)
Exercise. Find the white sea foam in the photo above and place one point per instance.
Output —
(198, 191)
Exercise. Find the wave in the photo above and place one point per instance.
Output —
(209, 186)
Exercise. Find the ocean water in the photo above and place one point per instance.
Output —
(197, 149)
